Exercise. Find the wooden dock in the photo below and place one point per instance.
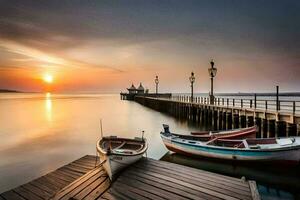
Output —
(224, 117)
(147, 179)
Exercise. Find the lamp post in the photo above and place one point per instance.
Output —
(192, 80)
(156, 83)
(212, 73)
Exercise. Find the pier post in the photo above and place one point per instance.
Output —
(194, 113)
(265, 128)
(255, 101)
(277, 98)
(271, 128)
(224, 127)
(220, 120)
(205, 116)
(210, 117)
(250, 121)
(292, 129)
(202, 121)
(243, 121)
(236, 121)
(215, 117)
(259, 129)
(229, 120)
(281, 129)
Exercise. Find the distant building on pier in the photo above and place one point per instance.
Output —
(133, 91)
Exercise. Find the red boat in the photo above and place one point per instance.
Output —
(241, 133)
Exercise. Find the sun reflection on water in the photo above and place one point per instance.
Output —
(48, 106)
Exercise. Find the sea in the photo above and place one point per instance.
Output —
(42, 131)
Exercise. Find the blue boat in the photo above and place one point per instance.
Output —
(251, 149)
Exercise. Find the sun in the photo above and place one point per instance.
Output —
(48, 78)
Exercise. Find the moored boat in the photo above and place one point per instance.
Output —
(252, 149)
(242, 133)
(118, 153)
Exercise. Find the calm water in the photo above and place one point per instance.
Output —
(41, 132)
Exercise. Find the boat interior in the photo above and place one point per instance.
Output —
(202, 138)
(253, 143)
(123, 146)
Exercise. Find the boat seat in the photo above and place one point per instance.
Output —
(127, 151)
(122, 144)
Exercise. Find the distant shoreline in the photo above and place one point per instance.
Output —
(9, 91)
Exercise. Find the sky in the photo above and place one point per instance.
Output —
(105, 46)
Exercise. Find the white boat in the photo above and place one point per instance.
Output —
(260, 149)
(119, 153)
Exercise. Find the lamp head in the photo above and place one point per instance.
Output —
(156, 80)
(212, 71)
(192, 77)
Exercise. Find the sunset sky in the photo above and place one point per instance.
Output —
(104, 46)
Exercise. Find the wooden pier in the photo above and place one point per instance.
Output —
(146, 179)
(223, 117)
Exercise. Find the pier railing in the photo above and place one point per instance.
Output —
(254, 103)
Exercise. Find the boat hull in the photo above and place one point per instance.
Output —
(288, 155)
(115, 163)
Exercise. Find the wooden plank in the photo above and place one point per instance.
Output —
(167, 187)
(240, 185)
(63, 176)
(108, 196)
(53, 181)
(189, 169)
(81, 166)
(222, 188)
(82, 188)
(87, 164)
(84, 164)
(211, 177)
(194, 193)
(69, 188)
(68, 174)
(11, 195)
(149, 188)
(254, 191)
(37, 191)
(76, 169)
(88, 161)
(204, 184)
(68, 171)
(199, 188)
(26, 193)
(97, 192)
(89, 158)
(46, 186)
(128, 194)
(135, 190)
(115, 194)
(58, 179)
(195, 172)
